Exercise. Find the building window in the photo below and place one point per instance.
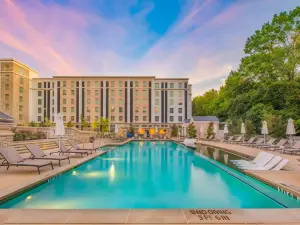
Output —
(144, 83)
(88, 84)
(156, 85)
(72, 92)
(156, 109)
(144, 110)
(171, 110)
(20, 117)
(179, 110)
(96, 101)
(136, 83)
(156, 118)
(179, 101)
(136, 110)
(39, 85)
(136, 93)
(6, 97)
(64, 92)
(39, 110)
(39, 93)
(112, 92)
(72, 100)
(136, 118)
(72, 109)
(179, 85)
(112, 101)
(180, 118)
(96, 83)
(179, 93)
(144, 93)
(88, 101)
(39, 118)
(72, 84)
(21, 80)
(96, 109)
(171, 101)
(112, 118)
(136, 101)
(156, 102)
(144, 118)
(72, 118)
(120, 101)
(120, 118)
(39, 101)
(64, 109)
(171, 94)
(120, 83)
(6, 106)
(112, 84)
(171, 85)
(64, 83)
(120, 109)
(171, 118)
(6, 86)
(21, 99)
(96, 118)
(88, 92)
(20, 108)
(120, 92)
(96, 92)
(64, 118)
(156, 94)
(64, 101)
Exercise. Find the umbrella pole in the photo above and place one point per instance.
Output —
(264, 138)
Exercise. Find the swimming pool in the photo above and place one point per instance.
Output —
(145, 174)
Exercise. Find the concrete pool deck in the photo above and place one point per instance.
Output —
(16, 179)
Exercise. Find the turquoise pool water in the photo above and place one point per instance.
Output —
(149, 175)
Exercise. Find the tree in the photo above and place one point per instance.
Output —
(32, 124)
(174, 132)
(83, 123)
(47, 122)
(210, 130)
(130, 129)
(70, 124)
(95, 124)
(191, 131)
(104, 127)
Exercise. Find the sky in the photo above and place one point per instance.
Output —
(201, 40)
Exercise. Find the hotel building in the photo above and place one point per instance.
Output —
(140, 100)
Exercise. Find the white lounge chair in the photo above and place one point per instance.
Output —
(261, 159)
(189, 142)
(294, 148)
(270, 165)
(281, 164)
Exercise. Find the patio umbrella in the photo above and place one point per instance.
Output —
(243, 130)
(264, 130)
(290, 130)
(201, 130)
(156, 129)
(226, 131)
(59, 127)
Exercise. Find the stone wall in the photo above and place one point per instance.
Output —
(6, 139)
(79, 135)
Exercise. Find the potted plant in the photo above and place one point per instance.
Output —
(130, 131)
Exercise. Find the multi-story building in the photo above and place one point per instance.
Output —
(15, 84)
(140, 100)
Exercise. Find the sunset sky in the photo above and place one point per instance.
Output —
(199, 39)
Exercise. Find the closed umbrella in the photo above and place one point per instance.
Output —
(243, 130)
(156, 129)
(226, 131)
(290, 130)
(201, 130)
(59, 127)
(264, 130)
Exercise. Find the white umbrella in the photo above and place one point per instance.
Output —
(290, 130)
(116, 128)
(201, 130)
(156, 129)
(59, 127)
(226, 131)
(243, 130)
(264, 130)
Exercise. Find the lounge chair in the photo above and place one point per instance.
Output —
(76, 147)
(293, 149)
(281, 165)
(269, 143)
(261, 159)
(270, 165)
(250, 141)
(37, 153)
(189, 142)
(279, 145)
(13, 158)
(230, 138)
(258, 142)
(237, 140)
(64, 150)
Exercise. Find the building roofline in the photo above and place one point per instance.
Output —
(14, 60)
(99, 76)
(171, 78)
